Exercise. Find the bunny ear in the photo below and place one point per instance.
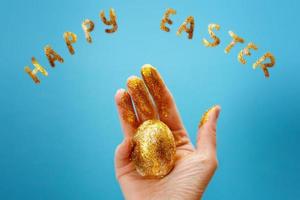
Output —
(141, 98)
(164, 102)
(206, 141)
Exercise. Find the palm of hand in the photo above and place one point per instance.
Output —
(193, 168)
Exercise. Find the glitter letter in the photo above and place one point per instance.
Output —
(112, 22)
(52, 56)
(212, 35)
(236, 39)
(88, 26)
(183, 27)
(37, 68)
(166, 19)
(246, 51)
(265, 66)
(70, 38)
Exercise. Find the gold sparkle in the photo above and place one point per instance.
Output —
(112, 22)
(141, 98)
(128, 113)
(153, 149)
(235, 39)
(246, 51)
(70, 38)
(52, 56)
(204, 117)
(184, 27)
(88, 26)
(265, 66)
(166, 19)
(156, 87)
(216, 40)
(37, 68)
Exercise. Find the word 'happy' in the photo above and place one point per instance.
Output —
(187, 26)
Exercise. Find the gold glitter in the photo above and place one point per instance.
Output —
(52, 56)
(183, 27)
(37, 68)
(112, 22)
(141, 98)
(153, 149)
(70, 38)
(212, 35)
(265, 66)
(246, 51)
(88, 27)
(236, 39)
(204, 117)
(166, 19)
(128, 113)
(156, 87)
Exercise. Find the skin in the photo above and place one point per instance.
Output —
(194, 166)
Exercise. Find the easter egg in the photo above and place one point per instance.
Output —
(153, 149)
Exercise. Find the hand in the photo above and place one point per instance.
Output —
(194, 167)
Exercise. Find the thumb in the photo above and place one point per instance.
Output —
(122, 156)
(206, 139)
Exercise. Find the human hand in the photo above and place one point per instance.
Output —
(194, 167)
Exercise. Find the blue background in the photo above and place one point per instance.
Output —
(57, 139)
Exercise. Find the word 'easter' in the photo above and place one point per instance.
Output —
(188, 27)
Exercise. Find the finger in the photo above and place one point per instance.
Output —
(142, 101)
(162, 97)
(206, 141)
(122, 157)
(165, 103)
(126, 112)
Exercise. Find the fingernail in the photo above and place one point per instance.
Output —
(219, 110)
(120, 91)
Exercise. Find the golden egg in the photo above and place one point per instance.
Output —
(153, 149)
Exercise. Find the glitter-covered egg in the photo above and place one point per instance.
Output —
(153, 149)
